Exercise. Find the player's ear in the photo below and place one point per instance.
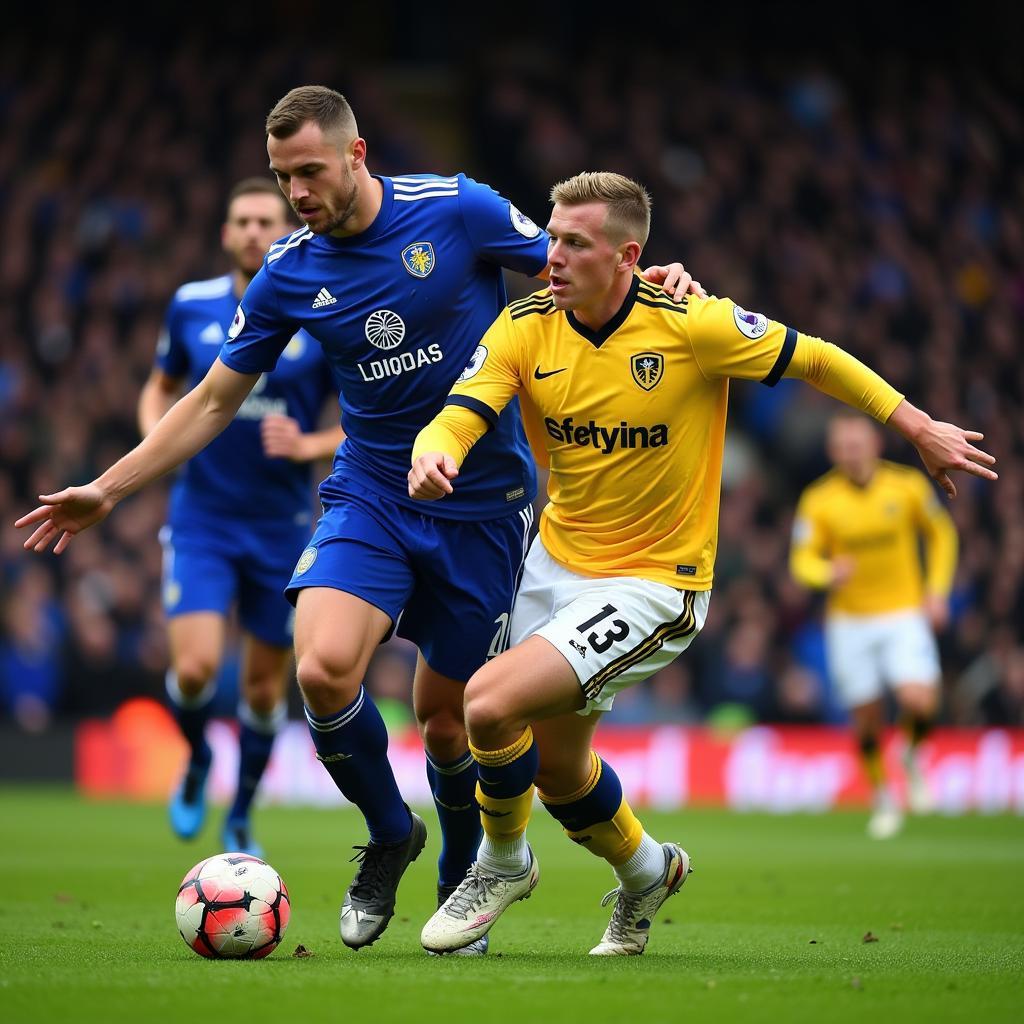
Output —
(357, 153)
(628, 256)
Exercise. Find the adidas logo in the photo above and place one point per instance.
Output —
(323, 298)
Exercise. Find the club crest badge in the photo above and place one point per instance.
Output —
(647, 368)
(418, 258)
(306, 559)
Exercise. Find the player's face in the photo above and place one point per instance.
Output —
(854, 447)
(315, 173)
(581, 259)
(254, 222)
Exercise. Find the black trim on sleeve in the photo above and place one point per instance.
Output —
(544, 305)
(480, 408)
(785, 357)
(673, 306)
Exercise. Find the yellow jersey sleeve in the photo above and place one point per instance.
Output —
(939, 535)
(493, 377)
(835, 372)
(729, 341)
(481, 392)
(453, 431)
(808, 553)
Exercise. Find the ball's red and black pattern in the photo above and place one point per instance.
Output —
(232, 906)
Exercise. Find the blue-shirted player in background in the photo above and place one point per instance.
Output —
(398, 279)
(239, 514)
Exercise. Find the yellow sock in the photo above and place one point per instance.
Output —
(597, 816)
(616, 840)
(504, 793)
(871, 758)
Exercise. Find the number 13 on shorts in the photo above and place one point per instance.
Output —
(614, 632)
(619, 629)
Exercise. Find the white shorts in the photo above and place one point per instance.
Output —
(868, 652)
(614, 631)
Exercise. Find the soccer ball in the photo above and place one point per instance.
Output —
(232, 906)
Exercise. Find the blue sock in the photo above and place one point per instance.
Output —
(255, 742)
(192, 714)
(454, 787)
(353, 746)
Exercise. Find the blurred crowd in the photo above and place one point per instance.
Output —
(876, 204)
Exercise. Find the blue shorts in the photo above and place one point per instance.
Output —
(447, 585)
(210, 564)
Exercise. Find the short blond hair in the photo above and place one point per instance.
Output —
(629, 205)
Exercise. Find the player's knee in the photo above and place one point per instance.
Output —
(326, 681)
(262, 696)
(485, 711)
(920, 701)
(443, 731)
(194, 673)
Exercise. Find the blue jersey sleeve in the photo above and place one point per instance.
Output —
(499, 232)
(171, 350)
(260, 330)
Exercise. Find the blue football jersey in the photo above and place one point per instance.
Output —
(399, 310)
(231, 476)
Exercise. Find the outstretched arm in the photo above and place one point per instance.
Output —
(943, 447)
(185, 430)
(729, 341)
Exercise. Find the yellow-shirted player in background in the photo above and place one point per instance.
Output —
(857, 533)
(629, 394)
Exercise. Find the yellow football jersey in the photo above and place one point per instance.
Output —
(878, 527)
(632, 418)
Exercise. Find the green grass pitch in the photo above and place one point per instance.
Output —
(770, 926)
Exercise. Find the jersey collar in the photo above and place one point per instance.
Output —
(599, 337)
(380, 222)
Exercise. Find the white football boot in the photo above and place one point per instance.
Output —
(478, 901)
(886, 817)
(478, 948)
(630, 927)
(920, 798)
